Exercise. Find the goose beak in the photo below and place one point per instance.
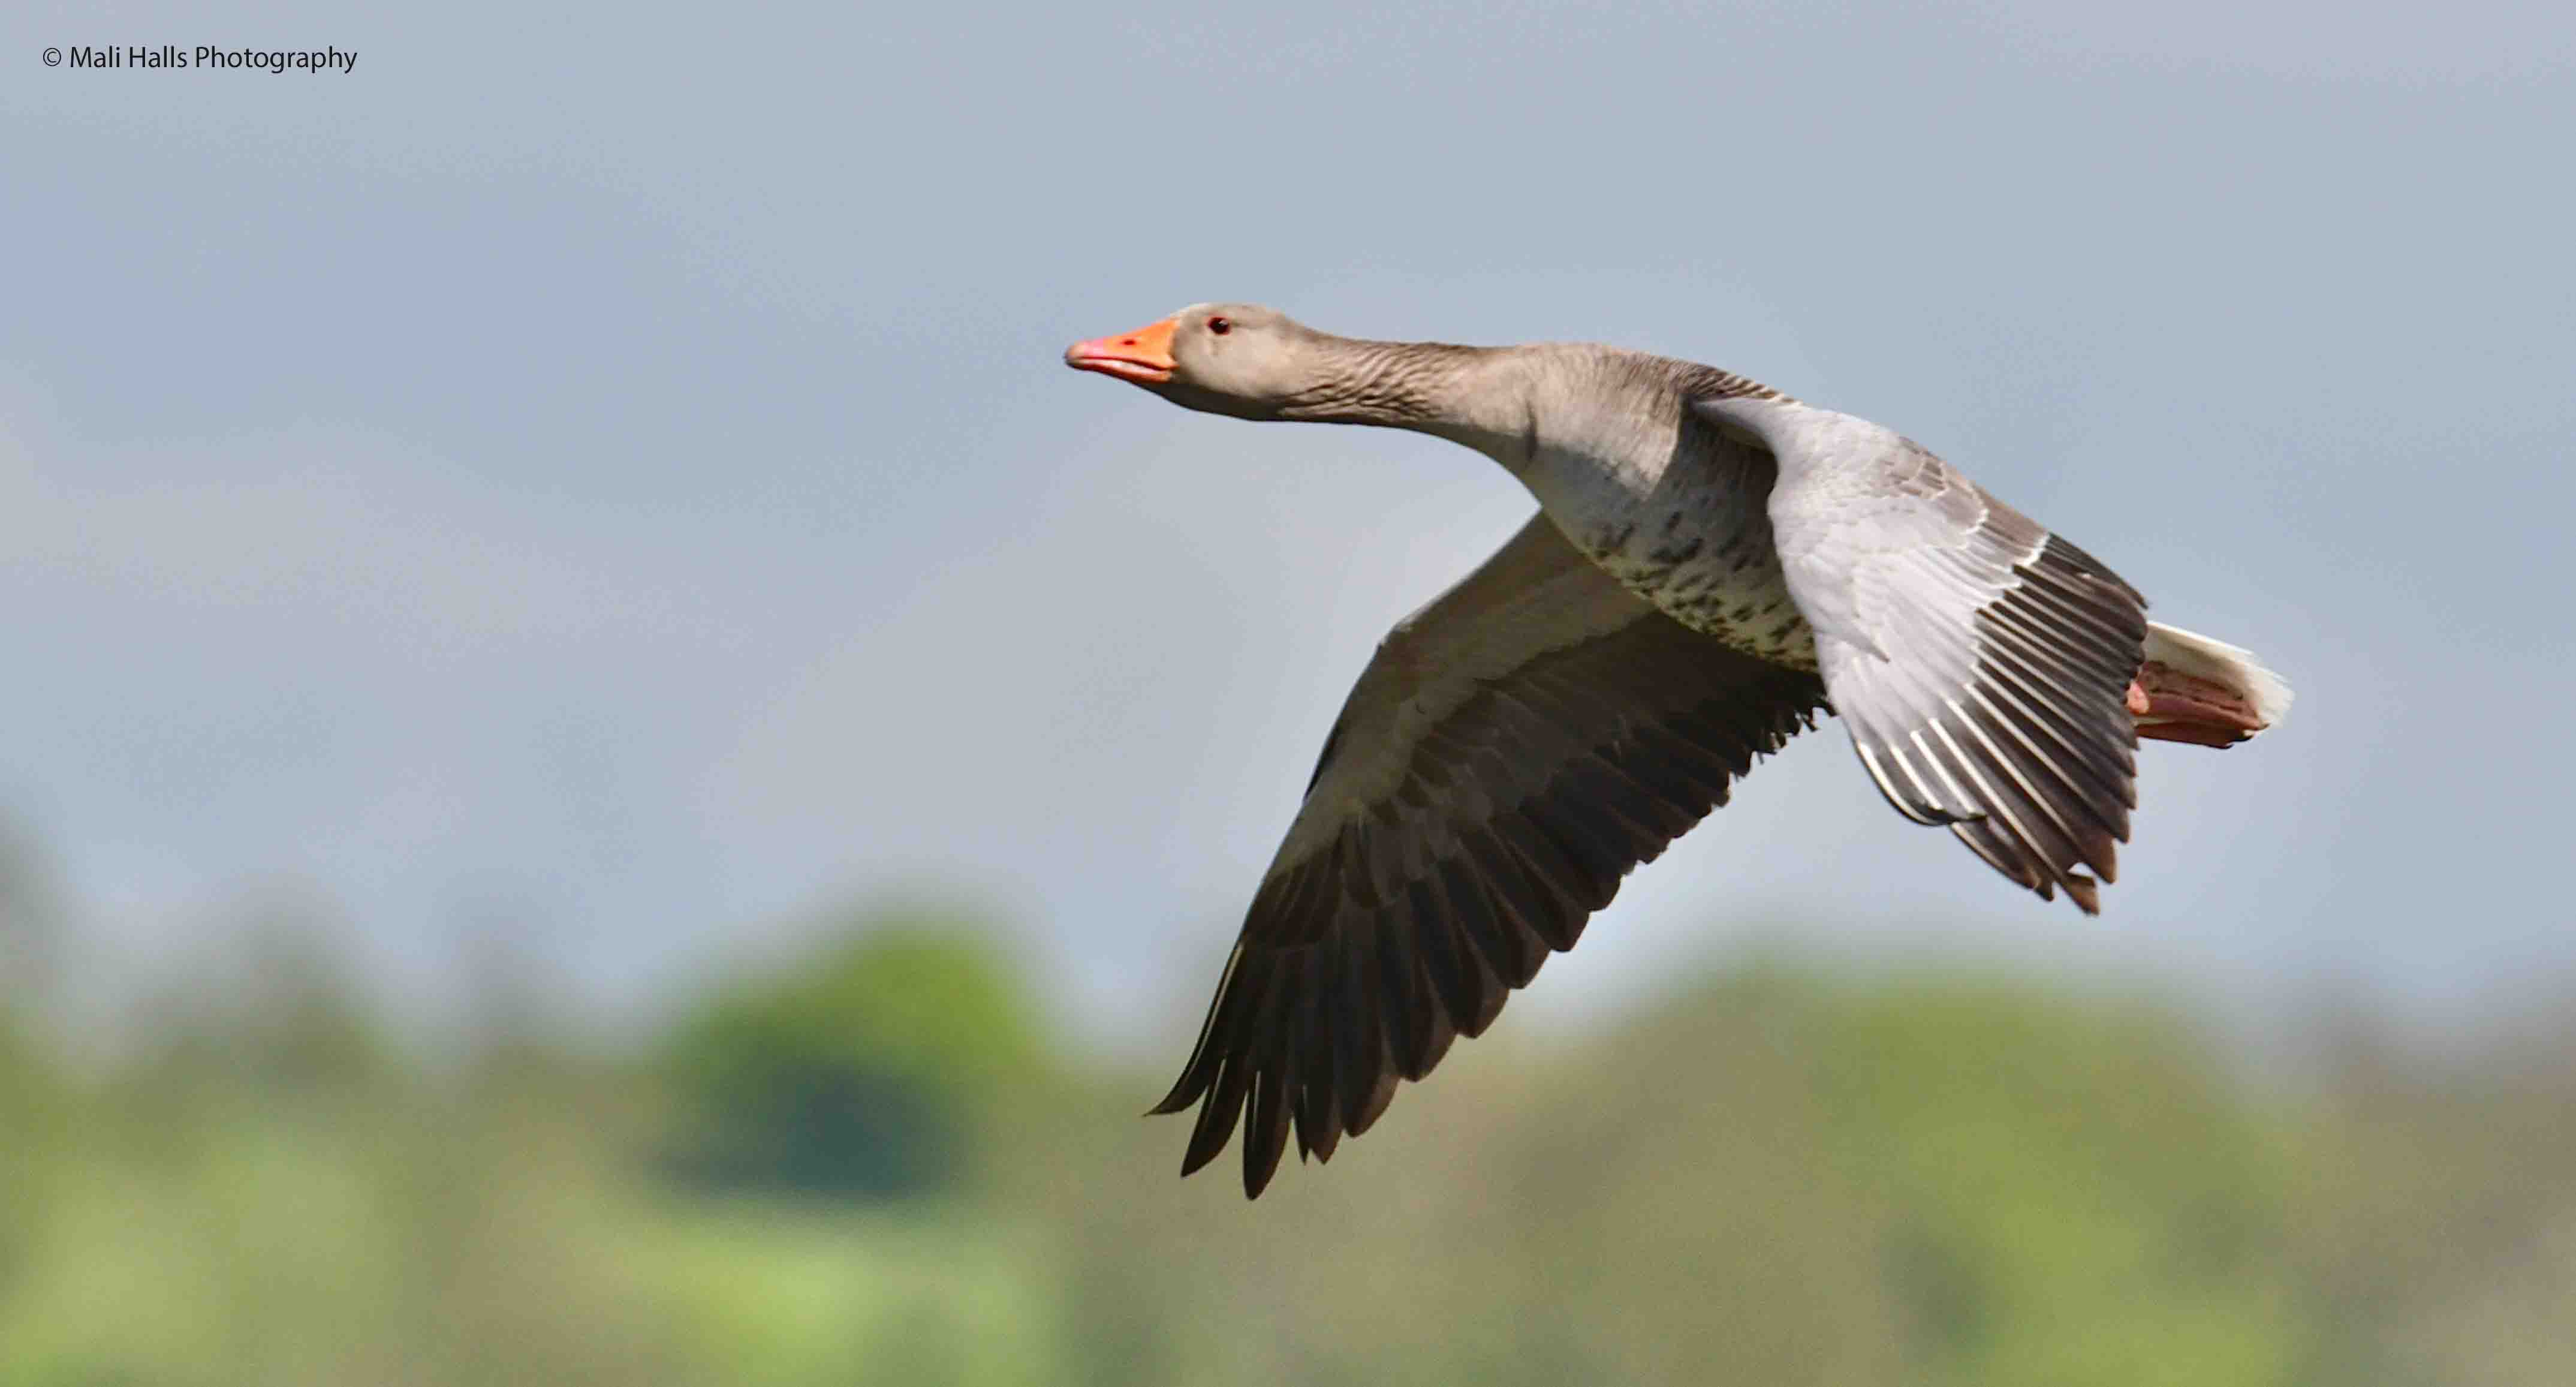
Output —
(1143, 356)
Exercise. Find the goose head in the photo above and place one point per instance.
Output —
(1224, 358)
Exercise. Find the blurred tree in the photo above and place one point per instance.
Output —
(2071, 1192)
(30, 1123)
(31, 935)
(31, 920)
(273, 1004)
(866, 1069)
(517, 1022)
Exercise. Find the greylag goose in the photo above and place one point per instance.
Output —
(1713, 564)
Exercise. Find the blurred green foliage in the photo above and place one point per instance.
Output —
(866, 1071)
(1783, 1174)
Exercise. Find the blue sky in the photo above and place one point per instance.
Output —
(609, 473)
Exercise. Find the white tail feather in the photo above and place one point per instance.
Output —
(2190, 653)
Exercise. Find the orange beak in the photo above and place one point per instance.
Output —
(1143, 356)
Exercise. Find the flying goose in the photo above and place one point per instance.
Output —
(1713, 563)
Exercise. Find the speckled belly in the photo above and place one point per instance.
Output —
(1712, 568)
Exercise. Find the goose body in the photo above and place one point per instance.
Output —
(1651, 492)
(1713, 564)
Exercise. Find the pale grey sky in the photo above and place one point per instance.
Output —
(610, 472)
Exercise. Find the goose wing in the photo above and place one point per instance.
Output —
(1511, 751)
(1981, 664)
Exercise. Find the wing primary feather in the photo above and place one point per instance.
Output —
(1928, 815)
(1268, 1136)
(2049, 858)
(1469, 992)
(1986, 724)
(1359, 1043)
(1516, 942)
(1929, 797)
(1596, 864)
(1201, 1068)
(2089, 731)
(1320, 1112)
(1548, 870)
(2110, 773)
(1524, 857)
(1215, 1125)
(1404, 998)
(2086, 663)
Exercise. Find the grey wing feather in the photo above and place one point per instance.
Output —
(1980, 663)
(1512, 750)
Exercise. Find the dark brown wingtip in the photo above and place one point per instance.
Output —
(1375, 1107)
(1256, 1171)
(1193, 1083)
(1173, 1102)
(1201, 1149)
(1199, 1072)
(1219, 1113)
(1265, 1137)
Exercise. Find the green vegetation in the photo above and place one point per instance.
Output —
(871, 1071)
(877, 1163)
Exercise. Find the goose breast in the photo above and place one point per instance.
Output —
(1666, 502)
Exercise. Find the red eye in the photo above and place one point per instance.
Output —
(1220, 326)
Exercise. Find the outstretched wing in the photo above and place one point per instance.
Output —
(1981, 663)
(1511, 751)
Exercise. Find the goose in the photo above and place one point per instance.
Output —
(1713, 564)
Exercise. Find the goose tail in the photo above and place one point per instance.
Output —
(2209, 693)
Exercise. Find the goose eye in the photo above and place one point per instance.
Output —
(1220, 326)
